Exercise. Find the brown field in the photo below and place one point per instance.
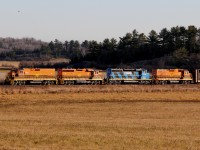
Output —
(100, 117)
(14, 64)
(48, 62)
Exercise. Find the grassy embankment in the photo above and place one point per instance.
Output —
(100, 117)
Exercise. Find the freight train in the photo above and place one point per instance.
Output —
(66, 76)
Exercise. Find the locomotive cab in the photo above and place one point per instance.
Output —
(10, 77)
(186, 74)
(94, 74)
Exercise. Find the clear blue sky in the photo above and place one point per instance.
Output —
(93, 19)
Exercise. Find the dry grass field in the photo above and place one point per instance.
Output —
(14, 64)
(48, 62)
(100, 117)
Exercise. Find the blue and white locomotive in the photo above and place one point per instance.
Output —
(120, 76)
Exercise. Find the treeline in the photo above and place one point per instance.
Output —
(178, 41)
(9, 44)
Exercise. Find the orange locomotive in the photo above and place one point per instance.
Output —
(166, 76)
(75, 76)
(24, 76)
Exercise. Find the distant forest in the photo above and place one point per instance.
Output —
(175, 46)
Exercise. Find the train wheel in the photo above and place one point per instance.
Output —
(187, 82)
(162, 82)
(122, 82)
(73, 82)
(15, 83)
(159, 82)
(69, 82)
(184, 82)
(110, 82)
(140, 82)
(113, 82)
(12, 82)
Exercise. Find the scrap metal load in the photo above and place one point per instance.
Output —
(164, 76)
(74, 76)
(24, 76)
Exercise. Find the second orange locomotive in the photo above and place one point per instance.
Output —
(75, 76)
